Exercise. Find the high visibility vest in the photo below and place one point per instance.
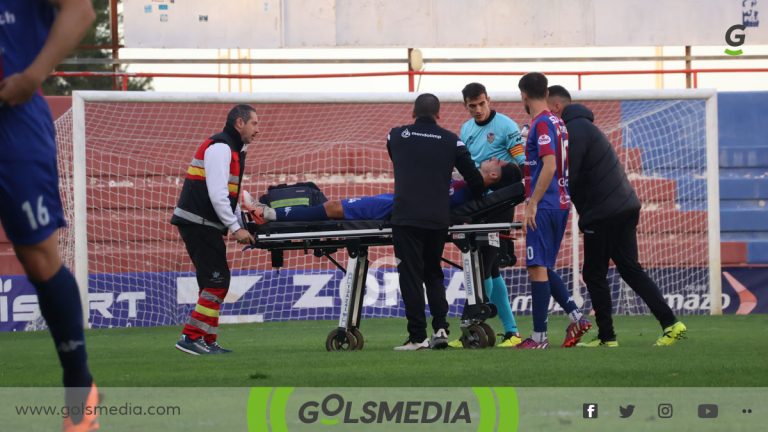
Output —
(194, 198)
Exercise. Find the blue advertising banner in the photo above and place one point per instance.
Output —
(154, 299)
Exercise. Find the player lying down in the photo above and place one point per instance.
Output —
(496, 174)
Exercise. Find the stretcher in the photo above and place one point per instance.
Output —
(469, 231)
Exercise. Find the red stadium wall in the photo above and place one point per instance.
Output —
(121, 207)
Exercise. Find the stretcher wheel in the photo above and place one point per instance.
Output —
(476, 339)
(359, 337)
(345, 342)
(489, 333)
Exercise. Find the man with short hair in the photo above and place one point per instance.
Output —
(490, 134)
(609, 211)
(423, 157)
(35, 36)
(207, 209)
(546, 213)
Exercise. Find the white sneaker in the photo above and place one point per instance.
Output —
(261, 213)
(439, 339)
(413, 346)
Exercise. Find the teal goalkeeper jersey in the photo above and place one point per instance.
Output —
(498, 136)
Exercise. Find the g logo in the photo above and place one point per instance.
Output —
(735, 40)
(309, 413)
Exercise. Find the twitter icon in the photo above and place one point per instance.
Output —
(627, 411)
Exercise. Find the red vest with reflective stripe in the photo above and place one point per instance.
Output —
(194, 193)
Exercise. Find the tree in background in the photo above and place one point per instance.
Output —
(99, 34)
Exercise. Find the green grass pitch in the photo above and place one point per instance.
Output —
(719, 351)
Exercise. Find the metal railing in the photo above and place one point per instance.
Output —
(123, 77)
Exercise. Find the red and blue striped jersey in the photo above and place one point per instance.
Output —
(548, 136)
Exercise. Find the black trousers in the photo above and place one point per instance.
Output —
(418, 251)
(205, 246)
(616, 239)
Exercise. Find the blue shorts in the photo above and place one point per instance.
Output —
(31, 206)
(377, 207)
(543, 244)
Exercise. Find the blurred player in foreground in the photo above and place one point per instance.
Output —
(35, 36)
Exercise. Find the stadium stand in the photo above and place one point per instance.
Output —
(744, 175)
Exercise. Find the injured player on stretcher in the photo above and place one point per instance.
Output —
(496, 174)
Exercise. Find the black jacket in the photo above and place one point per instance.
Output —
(423, 156)
(597, 182)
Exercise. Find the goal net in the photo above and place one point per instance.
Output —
(123, 157)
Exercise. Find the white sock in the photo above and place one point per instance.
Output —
(575, 315)
(539, 337)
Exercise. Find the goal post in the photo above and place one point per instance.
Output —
(713, 206)
(129, 150)
(80, 211)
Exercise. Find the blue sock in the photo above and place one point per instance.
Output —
(540, 293)
(60, 305)
(500, 298)
(289, 214)
(560, 293)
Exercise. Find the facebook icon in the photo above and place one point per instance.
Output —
(590, 410)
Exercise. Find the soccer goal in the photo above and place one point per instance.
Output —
(122, 157)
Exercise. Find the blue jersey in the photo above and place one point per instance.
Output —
(29, 190)
(26, 131)
(497, 137)
(379, 207)
(548, 136)
(24, 28)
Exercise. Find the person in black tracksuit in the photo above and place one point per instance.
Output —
(609, 211)
(423, 157)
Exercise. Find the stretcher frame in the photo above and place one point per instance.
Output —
(327, 237)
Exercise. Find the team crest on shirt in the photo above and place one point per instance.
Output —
(491, 137)
(405, 134)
